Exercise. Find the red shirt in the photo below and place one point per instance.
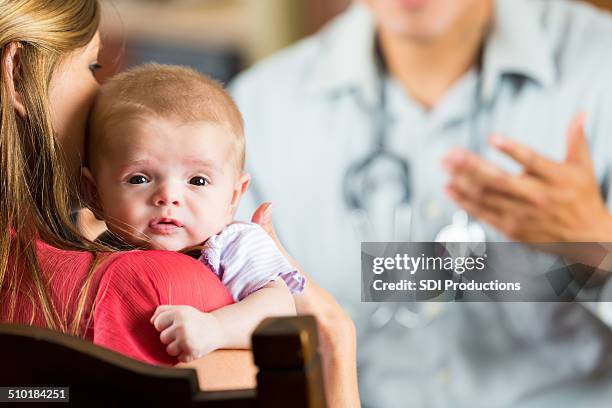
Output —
(127, 287)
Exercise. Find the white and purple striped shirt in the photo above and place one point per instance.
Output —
(246, 259)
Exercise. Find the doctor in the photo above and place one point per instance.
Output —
(404, 118)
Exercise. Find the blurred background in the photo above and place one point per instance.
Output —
(217, 37)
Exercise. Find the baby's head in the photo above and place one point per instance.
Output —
(165, 157)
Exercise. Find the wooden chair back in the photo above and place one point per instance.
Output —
(284, 349)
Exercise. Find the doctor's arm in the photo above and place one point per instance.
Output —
(337, 331)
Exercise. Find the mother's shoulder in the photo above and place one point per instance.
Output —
(154, 264)
(160, 277)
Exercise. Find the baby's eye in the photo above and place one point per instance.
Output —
(199, 181)
(140, 179)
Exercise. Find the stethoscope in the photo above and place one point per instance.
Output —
(359, 187)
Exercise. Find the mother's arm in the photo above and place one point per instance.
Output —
(337, 331)
(225, 370)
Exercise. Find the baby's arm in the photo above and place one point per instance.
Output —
(190, 334)
(257, 275)
(239, 320)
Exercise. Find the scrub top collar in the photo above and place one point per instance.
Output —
(347, 58)
(517, 44)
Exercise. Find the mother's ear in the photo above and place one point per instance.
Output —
(12, 69)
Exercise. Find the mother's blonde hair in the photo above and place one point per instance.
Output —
(35, 195)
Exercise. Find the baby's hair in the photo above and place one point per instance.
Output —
(168, 92)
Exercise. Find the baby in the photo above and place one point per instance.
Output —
(165, 171)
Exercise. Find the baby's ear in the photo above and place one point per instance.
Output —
(241, 187)
(244, 182)
(89, 192)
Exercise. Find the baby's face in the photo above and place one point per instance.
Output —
(170, 185)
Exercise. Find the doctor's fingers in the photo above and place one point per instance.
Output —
(489, 216)
(476, 176)
(512, 217)
(498, 202)
(533, 162)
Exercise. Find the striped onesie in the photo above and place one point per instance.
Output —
(246, 259)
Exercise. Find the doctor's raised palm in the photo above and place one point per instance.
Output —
(548, 202)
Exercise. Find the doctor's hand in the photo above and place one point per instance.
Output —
(547, 202)
(336, 329)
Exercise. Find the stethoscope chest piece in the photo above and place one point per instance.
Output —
(469, 235)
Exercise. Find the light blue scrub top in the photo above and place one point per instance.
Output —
(309, 115)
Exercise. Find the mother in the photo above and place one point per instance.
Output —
(51, 276)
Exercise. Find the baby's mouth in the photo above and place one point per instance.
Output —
(164, 225)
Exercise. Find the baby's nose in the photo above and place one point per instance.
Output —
(166, 201)
(167, 196)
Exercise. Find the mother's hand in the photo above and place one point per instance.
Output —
(547, 202)
(336, 329)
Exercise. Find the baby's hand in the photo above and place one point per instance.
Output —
(187, 332)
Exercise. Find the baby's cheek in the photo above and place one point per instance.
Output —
(209, 223)
(125, 212)
(202, 230)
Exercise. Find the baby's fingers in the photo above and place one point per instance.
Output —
(186, 358)
(161, 309)
(174, 348)
(168, 335)
(163, 320)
